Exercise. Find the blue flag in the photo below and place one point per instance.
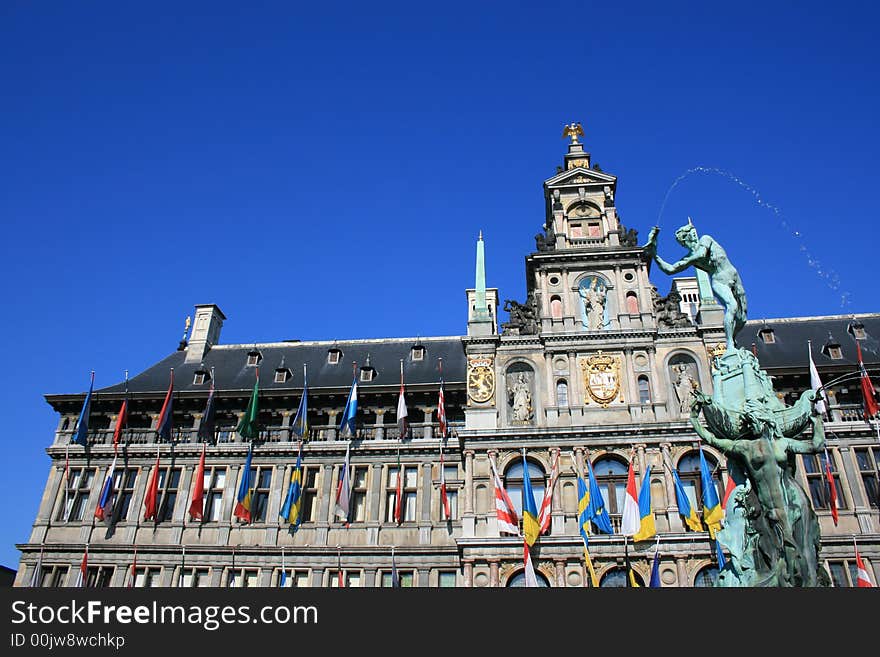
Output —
(350, 412)
(655, 571)
(531, 527)
(596, 510)
(293, 503)
(82, 426)
(301, 421)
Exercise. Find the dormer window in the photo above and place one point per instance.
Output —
(367, 374)
(281, 375)
(832, 348)
(334, 356)
(417, 352)
(200, 377)
(857, 329)
(253, 358)
(767, 335)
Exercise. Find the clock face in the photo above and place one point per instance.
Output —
(481, 384)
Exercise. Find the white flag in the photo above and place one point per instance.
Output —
(816, 382)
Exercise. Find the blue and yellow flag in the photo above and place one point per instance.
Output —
(596, 509)
(243, 506)
(713, 514)
(531, 527)
(293, 503)
(646, 528)
(301, 421)
(684, 506)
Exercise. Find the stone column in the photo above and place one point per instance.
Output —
(672, 515)
(325, 514)
(681, 571)
(424, 575)
(380, 423)
(493, 573)
(469, 482)
(559, 565)
(468, 573)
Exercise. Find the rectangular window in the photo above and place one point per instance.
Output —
(351, 579)
(194, 577)
(54, 575)
(868, 459)
(215, 482)
(243, 578)
(296, 579)
(367, 374)
(123, 487)
(147, 577)
(843, 573)
(261, 482)
(79, 484)
(169, 481)
(359, 493)
(98, 577)
(576, 230)
(594, 229)
(405, 576)
(310, 494)
(452, 497)
(814, 468)
(446, 579)
(198, 378)
(410, 487)
(280, 376)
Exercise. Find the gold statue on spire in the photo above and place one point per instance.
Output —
(573, 130)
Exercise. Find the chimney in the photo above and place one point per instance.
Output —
(205, 332)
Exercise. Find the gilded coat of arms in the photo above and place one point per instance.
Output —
(481, 379)
(601, 378)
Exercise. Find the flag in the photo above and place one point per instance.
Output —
(862, 579)
(282, 581)
(104, 508)
(712, 512)
(684, 505)
(444, 497)
(441, 411)
(122, 418)
(133, 569)
(402, 415)
(81, 437)
(301, 421)
(395, 577)
(340, 578)
(720, 555)
(152, 497)
(632, 520)
(647, 528)
(832, 488)
(350, 412)
(728, 489)
(816, 382)
(37, 575)
(630, 575)
(343, 490)
(207, 423)
(871, 408)
(596, 510)
(531, 528)
(531, 577)
(247, 426)
(594, 581)
(243, 505)
(163, 426)
(544, 512)
(655, 570)
(291, 511)
(82, 578)
(198, 495)
(504, 509)
(398, 494)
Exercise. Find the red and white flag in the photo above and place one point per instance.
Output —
(402, 415)
(832, 488)
(531, 578)
(444, 497)
(632, 519)
(504, 509)
(82, 578)
(871, 408)
(544, 511)
(198, 496)
(441, 412)
(863, 580)
(133, 569)
(731, 485)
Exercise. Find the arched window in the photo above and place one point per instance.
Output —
(706, 576)
(644, 390)
(562, 392)
(616, 579)
(520, 580)
(632, 303)
(555, 307)
(513, 482)
(611, 477)
(689, 473)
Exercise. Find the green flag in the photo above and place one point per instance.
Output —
(248, 428)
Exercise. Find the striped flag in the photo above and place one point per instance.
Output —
(133, 569)
(504, 509)
(82, 579)
(441, 411)
(712, 513)
(291, 510)
(81, 437)
(544, 511)
(647, 527)
(632, 520)
(531, 577)
(104, 509)
(242, 509)
(863, 580)
(402, 415)
(349, 413)
(729, 488)
(301, 421)
(531, 528)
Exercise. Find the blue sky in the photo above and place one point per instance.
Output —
(322, 172)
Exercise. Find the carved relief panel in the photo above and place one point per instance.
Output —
(481, 379)
(602, 379)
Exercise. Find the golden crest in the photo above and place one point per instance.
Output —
(481, 379)
(601, 378)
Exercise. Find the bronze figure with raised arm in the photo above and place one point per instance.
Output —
(706, 254)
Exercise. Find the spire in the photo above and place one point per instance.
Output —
(481, 311)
